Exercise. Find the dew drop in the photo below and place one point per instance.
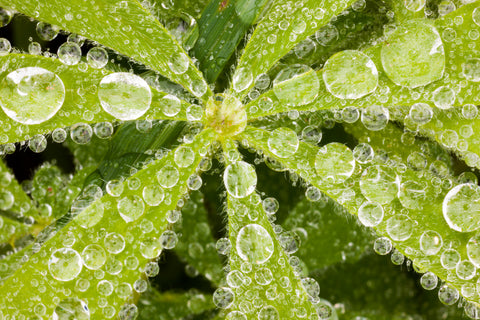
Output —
(65, 264)
(124, 95)
(254, 244)
(223, 297)
(268, 313)
(443, 97)
(473, 250)
(81, 133)
(97, 57)
(5, 17)
(421, 113)
(151, 248)
(450, 258)
(153, 195)
(448, 295)
(242, 79)
(413, 55)
(5, 47)
(171, 105)
(430, 242)
(350, 74)
(461, 208)
(114, 243)
(94, 256)
(415, 5)
(334, 162)
(375, 117)
(382, 246)
(283, 142)
(131, 208)
(370, 214)
(178, 63)
(47, 31)
(240, 179)
(476, 16)
(168, 239)
(69, 53)
(59, 135)
(184, 156)
(31, 95)
(71, 308)
(429, 281)
(465, 270)
(168, 176)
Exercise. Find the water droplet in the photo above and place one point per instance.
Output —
(65, 264)
(179, 63)
(448, 295)
(94, 256)
(91, 213)
(400, 227)
(465, 270)
(47, 31)
(35, 48)
(114, 243)
(69, 53)
(131, 208)
(31, 95)
(473, 250)
(240, 179)
(268, 313)
(124, 95)
(236, 315)
(461, 208)
(350, 74)
(254, 244)
(38, 143)
(450, 258)
(184, 156)
(430, 242)
(223, 297)
(59, 135)
(5, 17)
(103, 130)
(334, 162)
(429, 281)
(7, 200)
(105, 288)
(151, 248)
(283, 142)
(97, 57)
(413, 55)
(81, 133)
(421, 113)
(382, 246)
(443, 97)
(379, 184)
(168, 239)
(5, 47)
(290, 91)
(114, 188)
(71, 308)
(171, 105)
(242, 79)
(415, 5)
(375, 117)
(153, 195)
(194, 112)
(370, 214)
(168, 176)
(476, 16)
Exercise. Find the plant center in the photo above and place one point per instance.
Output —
(226, 114)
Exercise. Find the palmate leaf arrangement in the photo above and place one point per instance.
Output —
(399, 79)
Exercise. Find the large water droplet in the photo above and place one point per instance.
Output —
(168, 176)
(334, 162)
(94, 256)
(178, 63)
(242, 79)
(283, 142)
(370, 214)
(350, 74)
(240, 179)
(461, 207)
(292, 92)
(430, 242)
(31, 95)
(124, 95)
(69, 53)
(413, 55)
(415, 5)
(400, 227)
(71, 309)
(379, 184)
(254, 244)
(131, 208)
(65, 264)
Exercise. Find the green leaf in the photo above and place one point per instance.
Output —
(284, 20)
(196, 243)
(387, 93)
(10, 263)
(130, 148)
(172, 305)
(222, 26)
(124, 231)
(323, 226)
(81, 103)
(12, 196)
(412, 203)
(124, 26)
(259, 266)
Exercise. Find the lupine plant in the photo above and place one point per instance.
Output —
(267, 146)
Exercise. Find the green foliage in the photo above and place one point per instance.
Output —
(239, 159)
